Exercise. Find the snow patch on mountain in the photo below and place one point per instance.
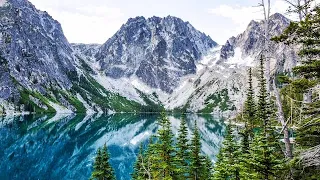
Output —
(238, 59)
(60, 109)
(89, 109)
(121, 86)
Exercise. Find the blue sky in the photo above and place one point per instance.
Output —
(95, 21)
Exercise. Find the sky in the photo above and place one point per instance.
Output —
(95, 21)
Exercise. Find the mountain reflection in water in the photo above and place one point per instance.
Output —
(64, 146)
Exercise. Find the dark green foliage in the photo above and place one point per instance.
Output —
(249, 113)
(165, 150)
(139, 167)
(30, 105)
(266, 158)
(164, 159)
(89, 87)
(219, 99)
(263, 109)
(102, 169)
(207, 167)
(183, 151)
(196, 158)
(85, 66)
(257, 155)
(152, 101)
(227, 166)
(305, 113)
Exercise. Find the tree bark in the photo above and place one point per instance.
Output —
(299, 10)
(288, 151)
(266, 13)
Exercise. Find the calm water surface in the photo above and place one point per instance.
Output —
(63, 146)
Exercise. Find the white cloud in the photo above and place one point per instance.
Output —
(82, 22)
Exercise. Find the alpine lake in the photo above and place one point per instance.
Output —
(63, 146)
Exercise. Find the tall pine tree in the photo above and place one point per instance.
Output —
(164, 164)
(227, 166)
(102, 169)
(195, 164)
(139, 169)
(183, 151)
(266, 158)
(306, 34)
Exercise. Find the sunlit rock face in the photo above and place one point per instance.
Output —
(156, 50)
(251, 43)
(33, 49)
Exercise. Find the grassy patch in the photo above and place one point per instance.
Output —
(92, 91)
(219, 99)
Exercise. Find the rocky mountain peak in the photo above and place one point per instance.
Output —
(158, 51)
(251, 42)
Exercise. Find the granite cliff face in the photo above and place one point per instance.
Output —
(157, 50)
(250, 43)
(33, 47)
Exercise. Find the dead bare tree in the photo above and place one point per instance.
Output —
(295, 7)
(266, 13)
(281, 120)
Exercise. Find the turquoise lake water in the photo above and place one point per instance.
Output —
(63, 146)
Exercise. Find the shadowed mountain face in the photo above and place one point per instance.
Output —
(157, 50)
(46, 147)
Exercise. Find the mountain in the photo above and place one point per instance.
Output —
(149, 64)
(40, 70)
(33, 48)
(250, 43)
(213, 80)
(220, 83)
(158, 51)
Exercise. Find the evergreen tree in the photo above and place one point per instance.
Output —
(207, 167)
(196, 164)
(228, 159)
(306, 34)
(102, 168)
(139, 169)
(250, 105)
(97, 173)
(164, 151)
(266, 158)
(263, 111)
(183, 151)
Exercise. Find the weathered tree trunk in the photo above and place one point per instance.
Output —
(266, 13)
(306, 8)
(299, 10)
(288, 152)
